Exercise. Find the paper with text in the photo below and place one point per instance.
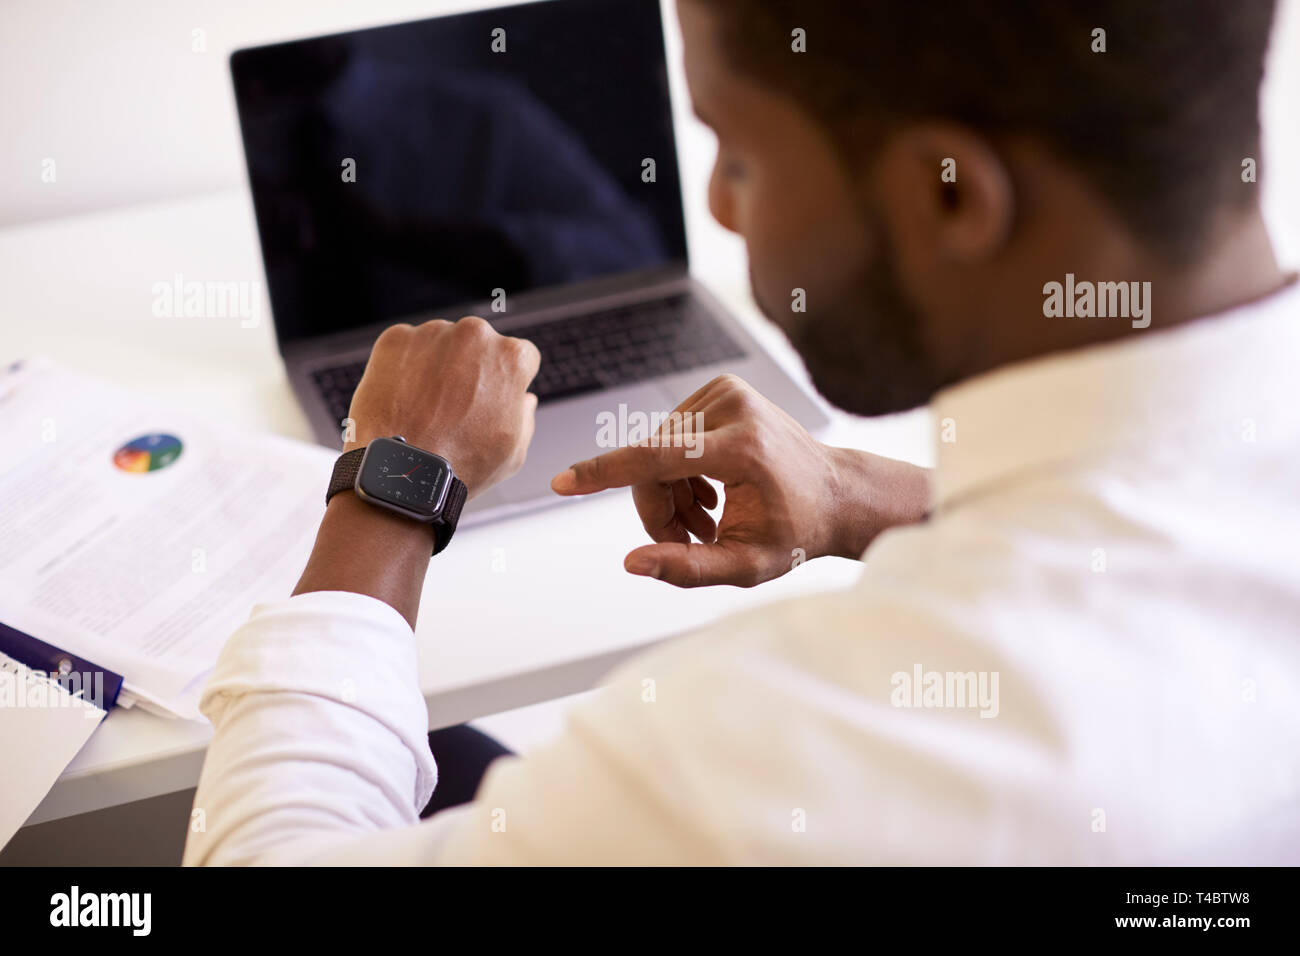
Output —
(141, 537)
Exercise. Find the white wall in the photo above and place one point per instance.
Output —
(1281, 110)
(112, 91)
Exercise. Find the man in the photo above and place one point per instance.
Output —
(1074, 642)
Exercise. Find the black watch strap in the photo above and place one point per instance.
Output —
(345, 472)
(344, 478)
(446, 527)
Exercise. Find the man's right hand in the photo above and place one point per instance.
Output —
(788, 496)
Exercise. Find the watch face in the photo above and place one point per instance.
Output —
(407, 478)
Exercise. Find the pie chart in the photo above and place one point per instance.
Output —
(147, 453)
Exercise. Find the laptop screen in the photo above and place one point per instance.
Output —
(402, 169)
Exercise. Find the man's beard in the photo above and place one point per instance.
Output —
(863, 350)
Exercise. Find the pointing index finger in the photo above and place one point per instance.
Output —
(629, 465)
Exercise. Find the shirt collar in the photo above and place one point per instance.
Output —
(1225, 378)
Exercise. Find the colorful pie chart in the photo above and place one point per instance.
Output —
(147, 453)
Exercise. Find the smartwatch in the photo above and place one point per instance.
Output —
(390, 474)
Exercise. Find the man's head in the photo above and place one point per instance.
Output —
(1065, 149)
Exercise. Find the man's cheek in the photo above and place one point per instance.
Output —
(773, 286)
(794, 278)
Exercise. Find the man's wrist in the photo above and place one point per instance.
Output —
(870, 494)
(366, 521)
(368, 550)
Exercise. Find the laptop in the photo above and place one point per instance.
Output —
(516, 163)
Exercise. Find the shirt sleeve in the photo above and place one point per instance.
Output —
(320, 732)
(320, 756)
(768, 737)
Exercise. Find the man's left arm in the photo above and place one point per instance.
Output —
(320, 726)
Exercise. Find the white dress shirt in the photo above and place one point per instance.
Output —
(1108, 591)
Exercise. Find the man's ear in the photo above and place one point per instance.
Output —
(945, 189)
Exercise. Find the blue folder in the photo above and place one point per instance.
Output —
(47, 659)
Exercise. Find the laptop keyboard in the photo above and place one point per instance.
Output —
(586, 353)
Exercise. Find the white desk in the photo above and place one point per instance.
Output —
(559, 615)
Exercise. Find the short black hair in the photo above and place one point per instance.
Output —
(1159, 124)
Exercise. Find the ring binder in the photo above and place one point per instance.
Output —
(95, 684)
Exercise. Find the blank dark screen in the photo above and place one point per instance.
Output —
(474, 170)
